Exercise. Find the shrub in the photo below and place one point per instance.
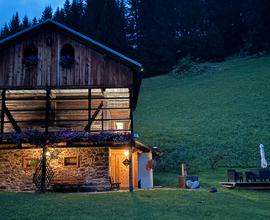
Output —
(197, 158)
(187, 67)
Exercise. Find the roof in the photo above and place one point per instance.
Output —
(145, 147)
(89, 40)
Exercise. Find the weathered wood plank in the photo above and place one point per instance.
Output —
(90, 68)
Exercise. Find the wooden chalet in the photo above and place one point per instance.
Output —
(54, 79)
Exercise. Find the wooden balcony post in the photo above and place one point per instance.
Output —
(2, 110)
(48, 102)
(43, 170)
(131, 144)
(131, 110)
(89, 108)
(131, 168)
(44, 147)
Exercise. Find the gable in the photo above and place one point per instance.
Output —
(91, 66)
(68, 31)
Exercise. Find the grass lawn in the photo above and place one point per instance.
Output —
(155, 204)
(224, 110)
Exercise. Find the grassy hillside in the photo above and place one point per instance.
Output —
(224, 112)
(159, 204)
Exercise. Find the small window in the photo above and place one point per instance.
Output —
(30, 55)
(27, 163)
(67, 56)
(120, 125)
(71, 161)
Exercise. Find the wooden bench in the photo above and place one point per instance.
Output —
(70, 182)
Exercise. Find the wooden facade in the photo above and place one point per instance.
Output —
(53, 78)
(94, 64)
(90, 67)
(38, 91)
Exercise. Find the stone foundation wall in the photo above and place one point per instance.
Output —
(93, 167)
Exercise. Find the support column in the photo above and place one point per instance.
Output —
(131, 143)
(130, 168)
(44, 147)
(89, 108)
(2, 111)
(43, 170)
(48, 102)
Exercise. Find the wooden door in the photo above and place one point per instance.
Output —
(119, 172)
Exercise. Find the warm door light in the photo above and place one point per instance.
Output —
(126, 153)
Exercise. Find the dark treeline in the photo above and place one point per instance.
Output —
(158, 33)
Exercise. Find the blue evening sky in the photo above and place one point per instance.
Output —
(31, 8)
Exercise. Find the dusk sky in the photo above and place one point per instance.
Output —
(31, 8)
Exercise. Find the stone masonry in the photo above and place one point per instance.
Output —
(92, 167)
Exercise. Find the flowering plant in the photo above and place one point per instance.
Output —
(30, 61)
(66, 61)
(40, 138)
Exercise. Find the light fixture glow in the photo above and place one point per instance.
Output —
(48, 153)
(126, 153)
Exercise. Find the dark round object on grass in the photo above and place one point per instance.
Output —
(213, 190)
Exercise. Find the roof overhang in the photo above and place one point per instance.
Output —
(147, 148)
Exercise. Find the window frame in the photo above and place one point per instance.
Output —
(71, 165)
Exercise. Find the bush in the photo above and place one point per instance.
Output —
(197, 158)
(187, 67)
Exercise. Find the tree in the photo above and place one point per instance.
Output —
(75, 16)
(255, 16)
(110, 30)
(5, 31)
(157, 36)
(67, 11)
(47, 13)
(132, 24)
(25, 22)
(34, 22)
(59, 15)
(14, 25)
(93, 14)
(226, 15)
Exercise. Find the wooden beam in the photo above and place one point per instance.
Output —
(89, 108)
(131, 109)
(102, 121)
(2, 110)
(43, 170)
(131, 145)
(88, 126)
(103, 86)
(48, 102)
(130, 168)
(11, 119)
(69, 146)
(102, 115)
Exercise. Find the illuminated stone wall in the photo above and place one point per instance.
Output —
(92, 167)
